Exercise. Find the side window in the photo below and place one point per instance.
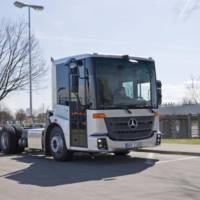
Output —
(79, 83)
(62, 84)
(144, 91)
(128, 86)
(137, 90)
(83, 85)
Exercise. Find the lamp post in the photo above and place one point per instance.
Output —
(39, 8)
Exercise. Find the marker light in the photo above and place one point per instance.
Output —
(99, 116)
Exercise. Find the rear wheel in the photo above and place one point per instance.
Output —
(122, 153)
(8, 140)
(57, 145)
(19, 132)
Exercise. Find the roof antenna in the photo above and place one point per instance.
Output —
(52, 59)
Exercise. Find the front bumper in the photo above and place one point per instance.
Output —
(105, 144)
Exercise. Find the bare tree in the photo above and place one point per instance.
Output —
(20, 115)
(40, 118)
(5, 116)
(14, 70)
(193, 92)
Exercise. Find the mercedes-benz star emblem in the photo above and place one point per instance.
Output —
(132, 123)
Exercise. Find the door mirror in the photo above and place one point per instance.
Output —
(159, 92)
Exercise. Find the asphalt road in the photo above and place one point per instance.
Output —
(140, 176)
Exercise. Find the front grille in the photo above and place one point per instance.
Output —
(118, 128)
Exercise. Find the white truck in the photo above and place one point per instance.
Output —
(101, 103)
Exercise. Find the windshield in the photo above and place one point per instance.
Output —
(122, 83)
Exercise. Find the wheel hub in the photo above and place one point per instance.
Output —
(56, 144)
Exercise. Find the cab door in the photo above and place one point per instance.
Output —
(78, 104)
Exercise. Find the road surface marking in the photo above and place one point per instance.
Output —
(175, 160)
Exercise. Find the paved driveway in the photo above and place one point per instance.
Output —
(139, 176)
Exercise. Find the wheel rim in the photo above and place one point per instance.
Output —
(4, 140)
(57, 144)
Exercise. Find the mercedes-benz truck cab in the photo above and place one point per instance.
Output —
(102, 103)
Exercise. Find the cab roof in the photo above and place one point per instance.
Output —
(95, 55)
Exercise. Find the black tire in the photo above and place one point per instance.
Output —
(122, 153)
(18, 132)
(0, 140)
(57, 145)
(8, 140)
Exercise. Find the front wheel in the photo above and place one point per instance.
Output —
(122, 153)
(57, 145)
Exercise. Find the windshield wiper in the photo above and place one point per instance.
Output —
(150, 108)
(125, 107)
(129, 107)
(128, 110)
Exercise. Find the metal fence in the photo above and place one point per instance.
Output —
(180, 126)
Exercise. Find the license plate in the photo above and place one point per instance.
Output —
(133, 145)
(138, 145)
(128, 145)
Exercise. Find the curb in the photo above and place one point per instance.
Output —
(169, 152)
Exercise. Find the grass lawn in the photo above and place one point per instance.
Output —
(181, 141)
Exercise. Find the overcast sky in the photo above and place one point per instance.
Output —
(167, 30)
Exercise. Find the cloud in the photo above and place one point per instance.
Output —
(189, 6)
(173, 93)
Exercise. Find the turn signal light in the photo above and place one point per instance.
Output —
(99, 116)
(156, 114)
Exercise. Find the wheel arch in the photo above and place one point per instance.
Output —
(46, 137)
